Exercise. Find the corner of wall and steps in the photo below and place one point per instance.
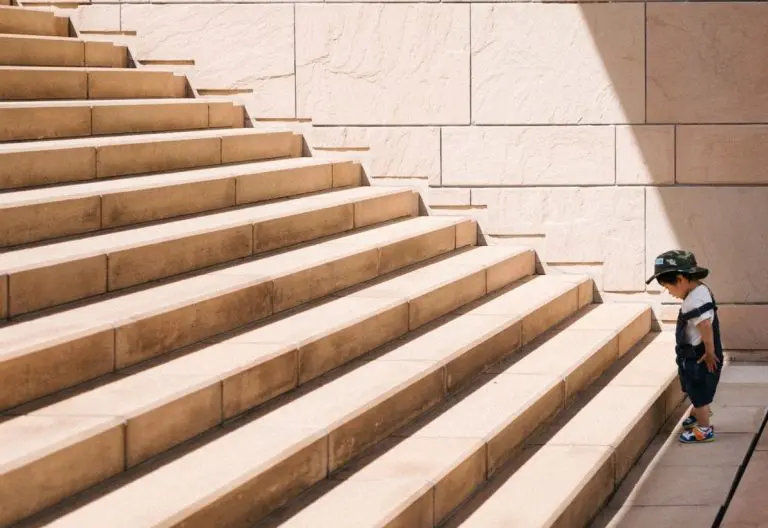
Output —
(599, 133)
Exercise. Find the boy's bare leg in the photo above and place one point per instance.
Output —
(702, 415)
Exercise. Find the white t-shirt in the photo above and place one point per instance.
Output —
(698, 297)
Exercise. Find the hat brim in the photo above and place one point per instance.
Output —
(696, 273)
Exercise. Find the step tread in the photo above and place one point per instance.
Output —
(51, 38)
(58, 252)
(429, 453)
(130, 139)
(86, 69)
(579, 450)
(92, 103)
(299, 422)
(29, 336)
(12, 199)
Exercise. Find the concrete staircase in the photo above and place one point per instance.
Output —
(204, 328)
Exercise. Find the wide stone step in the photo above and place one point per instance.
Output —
(298, 443)
(44, 355)
(32, 163)
(22, 83)
(422, 474)
(39, 214)
(58, 273)
(69, 119)
(123, 423)
(15, 20)
(29, 50)
(565, 481)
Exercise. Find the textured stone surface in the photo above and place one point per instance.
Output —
(395, 151)
(748, 507)
(645, 155)
(447, 197)
(722, 154)
(234, 46)
(93, 17)
(547, 63)
(702, 62)
(720, 225)
(582, 225)
(383, 64)
(528, 155)
(744, 327)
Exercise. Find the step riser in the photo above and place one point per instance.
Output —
(52, 122)
(44, 287)
(26, 169)
(161, 429)
(19, 51)
(34, 223)
(32, 85)
(23, 22)
(86, 357)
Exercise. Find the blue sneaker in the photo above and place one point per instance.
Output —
(698, 435)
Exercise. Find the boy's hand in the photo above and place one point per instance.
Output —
(710, 360)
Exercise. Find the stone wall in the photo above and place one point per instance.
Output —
(600, 133)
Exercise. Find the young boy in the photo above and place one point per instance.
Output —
(698, 347)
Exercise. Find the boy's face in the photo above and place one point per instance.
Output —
(679, 289)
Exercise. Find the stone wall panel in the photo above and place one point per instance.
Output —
(557, 64)
(728, 154)
(528, 155)
(707, 62)
(645, 155)
(383, 64)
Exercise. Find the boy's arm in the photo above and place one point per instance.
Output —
(708, 338)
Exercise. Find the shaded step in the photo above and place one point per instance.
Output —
(69, 119)
(297, 443)
(45, 355)
(40, 214)
(674, 484)
(21, 21)
(418, 480)
(29, 50)
(170, 403)
(589, 454)
(72, 160)
(58, 273)
(20, 83)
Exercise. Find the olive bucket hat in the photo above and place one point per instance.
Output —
(677, 261)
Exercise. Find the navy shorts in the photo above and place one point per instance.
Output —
(697, 381)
